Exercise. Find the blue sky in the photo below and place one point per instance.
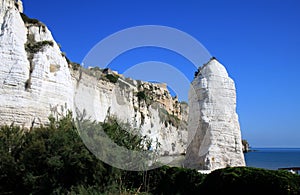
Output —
(257, 41)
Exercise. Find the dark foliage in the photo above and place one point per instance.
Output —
(34, 47)
(172, 180)
(52, 159)
(247, 180)
(124, 136)
(112, 78)
(75, 66)
(141, 95)
(28, 20)
(46, 160)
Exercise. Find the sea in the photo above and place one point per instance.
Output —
(273, 158)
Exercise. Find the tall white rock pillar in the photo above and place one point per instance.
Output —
(214, 131)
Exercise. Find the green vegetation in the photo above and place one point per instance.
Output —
(28, 20)
(124, 135)
(196, 73)
(112, 78)
(75, 66)
(34, 47)
(246, 180)
(145, 95)
(52, 159)
(141, 95)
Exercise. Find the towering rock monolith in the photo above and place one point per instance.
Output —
(214, 131)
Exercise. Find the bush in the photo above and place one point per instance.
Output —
(112, 78)
(141, 95)
(247, 180)
(174, 180)
(52, 159)
(123, 135)
(75, 66)
(28, 20)
(34, 47)
(165, 180)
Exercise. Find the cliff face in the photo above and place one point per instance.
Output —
(36, 81)
(213, 122)
(147, 106)
(28, 86)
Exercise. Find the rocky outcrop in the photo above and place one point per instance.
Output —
(36, 80)
(246, 146)
(213, 124)
(141, 104)
(29, 86)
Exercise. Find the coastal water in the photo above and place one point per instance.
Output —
(273, 158)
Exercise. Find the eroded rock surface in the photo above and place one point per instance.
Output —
(213, 124)
(36, 80)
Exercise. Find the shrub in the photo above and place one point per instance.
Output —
(141, 95)
(247, 180)
(123, 135)
(52, 159)
(34, 47)
(75, 66)
(174, 180)
(112, 78)
(28, 20)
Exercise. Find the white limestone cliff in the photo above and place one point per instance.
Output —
(100, 98)
(28, 86)
(213, 122)
(36, 81)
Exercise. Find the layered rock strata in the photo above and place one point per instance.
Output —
(214, 131)
(36, 80)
